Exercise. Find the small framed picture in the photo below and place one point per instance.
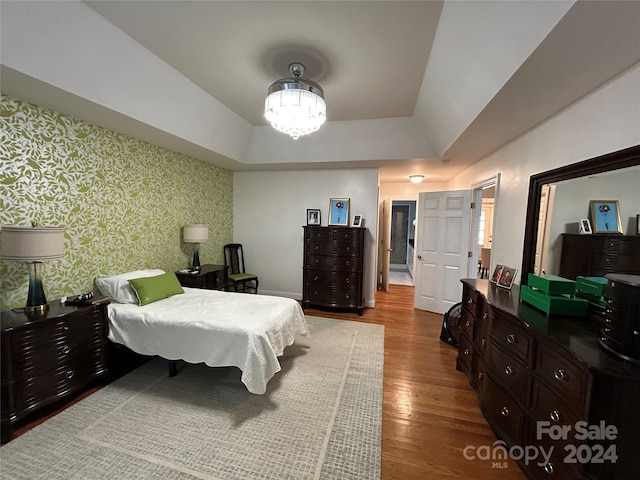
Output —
(496, 274)
(313, 216)
(357, 220)
(585, 226)
(507, 276)
(339, 212)
(605, 216)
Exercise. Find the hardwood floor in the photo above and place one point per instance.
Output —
(430, 413)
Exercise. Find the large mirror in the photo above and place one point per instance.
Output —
(535, 251)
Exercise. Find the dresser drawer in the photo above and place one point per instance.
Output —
(511, 372)
(615, 263)
(329, 278)
(333, 263)
(501, 409)
(509, 335)
(44, 389)
(333, 296)
(550, 406)
(343, 249)
(563, 374)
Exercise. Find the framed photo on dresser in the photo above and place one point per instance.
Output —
(605, 216)
(313, 216)
(339, 212)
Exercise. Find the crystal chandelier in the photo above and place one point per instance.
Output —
(295, 105)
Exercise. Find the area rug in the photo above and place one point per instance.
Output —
(320, 418)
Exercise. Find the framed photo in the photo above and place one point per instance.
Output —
(357, 220)
(313, 216)
(605, 216)
(496, 274)
(585, 226)
(339, 212)
(507, 276)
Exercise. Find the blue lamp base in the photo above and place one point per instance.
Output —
(196, 260)
(36, 299)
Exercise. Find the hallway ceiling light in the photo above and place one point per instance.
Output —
(295, 105)
(416, 178)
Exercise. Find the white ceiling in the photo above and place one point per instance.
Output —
(471, 75)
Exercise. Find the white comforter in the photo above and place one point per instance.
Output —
(217, 328)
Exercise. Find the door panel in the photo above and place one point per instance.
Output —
(442, 248)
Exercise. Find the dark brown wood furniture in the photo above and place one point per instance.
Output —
(598, 254)
(211, 277)
(333, 268)
(620, 333)
(533, 373)
(49, 357)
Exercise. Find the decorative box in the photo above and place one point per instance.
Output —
(552, 284)
(596, 286)
(554, 304)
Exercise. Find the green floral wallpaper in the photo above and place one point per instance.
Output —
(121, 201)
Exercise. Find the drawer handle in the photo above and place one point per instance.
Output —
(511, 338)
(484, 316)
(505, 412)
(636, 332)
(346, 295)
(610, 301)
(560, 374)
(466, 351)
(607, 330)
(607, 320)
(470, 301)
(348, 262)
(315, 292)
(317, 247)
(509, 370)
(548, 468)
(316, 260)
(467, 323)
(65, 328)
(555, 415)
(346, 235)
(483, 342)
(69, 374)
(348, 280)
(65, 349)
(480, 375)
(315, 278)
(348, 249)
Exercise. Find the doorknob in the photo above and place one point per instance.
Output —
(389, 249)
(419, 257)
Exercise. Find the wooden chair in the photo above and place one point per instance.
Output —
(234, 259)
(485, 260)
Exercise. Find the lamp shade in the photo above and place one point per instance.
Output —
(32, 244)
(195, 233)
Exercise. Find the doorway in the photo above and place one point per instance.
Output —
(485, 200)
(403, 214)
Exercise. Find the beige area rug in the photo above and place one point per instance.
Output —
(320, 419)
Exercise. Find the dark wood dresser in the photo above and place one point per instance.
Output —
(536, 375)
(598, 254)
(333, 268)
(48, 357)
(211, 277)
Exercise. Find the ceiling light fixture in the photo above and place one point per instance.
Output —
(416, 178)
(295, 105)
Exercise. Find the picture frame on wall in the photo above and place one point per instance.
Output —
(339, 212)
(313, 216)
(496, 274)
(507, 276)
(357, 220)
(605, 216)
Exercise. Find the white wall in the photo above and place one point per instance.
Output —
(270, 208)
(606, 120)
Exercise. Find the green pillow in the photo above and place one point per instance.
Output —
(152, 289)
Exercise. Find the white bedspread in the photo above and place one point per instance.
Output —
(214, 327)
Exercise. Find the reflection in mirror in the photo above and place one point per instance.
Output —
(546, 254)
(564, 204)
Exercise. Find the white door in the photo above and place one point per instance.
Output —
(385, 245)
(442, 249)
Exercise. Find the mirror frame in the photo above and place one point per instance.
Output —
(628, 157)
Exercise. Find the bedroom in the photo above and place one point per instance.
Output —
(123, 201)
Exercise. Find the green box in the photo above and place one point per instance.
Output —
(554, 304)
(595, 286)
(552, 284)
(595, 299)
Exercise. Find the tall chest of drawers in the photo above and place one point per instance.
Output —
(333, 268)
(536, 375)
(49, 357)
(599, 254)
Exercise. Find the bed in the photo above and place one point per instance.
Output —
(204, 326)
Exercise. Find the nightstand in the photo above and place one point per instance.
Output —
(49, 356)
(211, 277)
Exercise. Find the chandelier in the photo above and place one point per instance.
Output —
(295, 105)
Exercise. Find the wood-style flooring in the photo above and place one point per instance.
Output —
(430, 414)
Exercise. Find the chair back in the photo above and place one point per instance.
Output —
(234, 258)
(485, 257)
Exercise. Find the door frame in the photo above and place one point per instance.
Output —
(476, 195)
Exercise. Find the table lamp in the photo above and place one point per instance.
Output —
(195, 233)
(33, 244)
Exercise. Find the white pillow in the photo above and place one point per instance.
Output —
(117, 287)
